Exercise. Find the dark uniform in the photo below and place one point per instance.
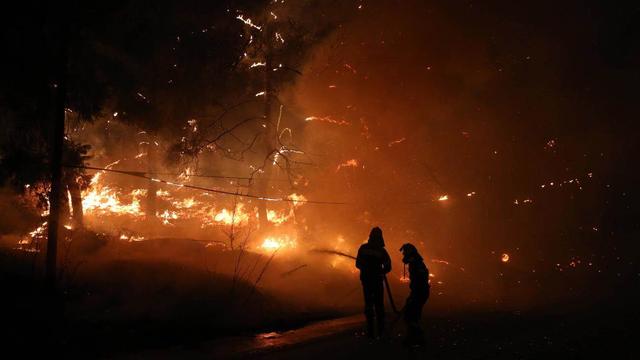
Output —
(419, 285)
(374, 262)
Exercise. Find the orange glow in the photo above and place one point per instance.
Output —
(341, 245)
(505, 258)
(278, 242)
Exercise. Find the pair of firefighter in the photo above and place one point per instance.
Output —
(374, 263)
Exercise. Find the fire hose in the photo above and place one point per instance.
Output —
(393, 304)
(386, 282)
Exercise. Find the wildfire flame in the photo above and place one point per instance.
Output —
(103, 202)
(100, 199)
(229, 217)
(278, 242)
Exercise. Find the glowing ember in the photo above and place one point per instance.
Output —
(505, 258)
(348, 163)
(167, 216)
(131, 238)
(185, 204)
(443, 198)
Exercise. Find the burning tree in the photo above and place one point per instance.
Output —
(156, 82)
(277, 38)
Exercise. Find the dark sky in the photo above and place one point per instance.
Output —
(496, 98)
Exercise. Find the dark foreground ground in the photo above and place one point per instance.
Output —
(605, 332)
(153, 309)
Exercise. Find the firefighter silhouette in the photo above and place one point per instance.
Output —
(374, 262)
(419, 285)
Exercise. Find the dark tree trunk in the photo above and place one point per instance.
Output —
(57, 140)
(65, 204)
(76, 205)
(152, 186)
(268, 139)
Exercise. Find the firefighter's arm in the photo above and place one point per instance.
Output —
(359, 259)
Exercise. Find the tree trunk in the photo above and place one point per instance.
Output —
(262, 188)
(65, 203)
(152, 186)
(76, 205)
(57, 140)
(268, 137)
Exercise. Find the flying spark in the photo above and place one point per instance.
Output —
(248, 21)
(348, 163)
(327, 119)
(396, 142)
